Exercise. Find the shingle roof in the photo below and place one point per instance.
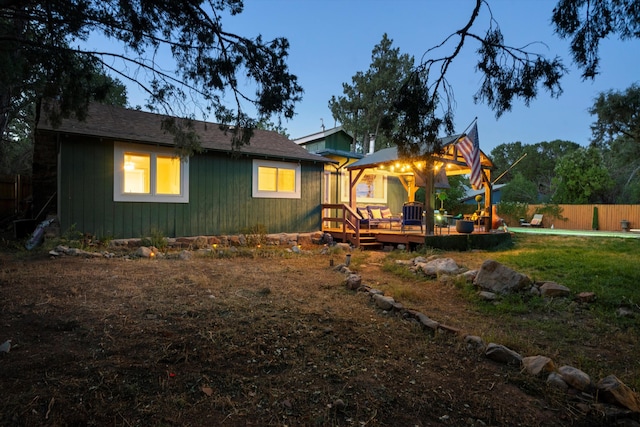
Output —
(138, 126)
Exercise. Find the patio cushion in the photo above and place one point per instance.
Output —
(364, 213)
(375, 213)
(386, 213)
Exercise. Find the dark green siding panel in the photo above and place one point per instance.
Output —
(220, 200)
(85, 183)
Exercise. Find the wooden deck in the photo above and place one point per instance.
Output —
(378, 238)
(344, 225)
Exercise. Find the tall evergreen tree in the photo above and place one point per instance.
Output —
(368, 99)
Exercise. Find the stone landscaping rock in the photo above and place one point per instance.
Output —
(575, 378)
(344, 246)
(474, 342)
(612, 390)
(555, 380)
(502, 354)
(383, 302)
(469, 276)
(534, 365)
(498, 278)
(143, 252)
(487, 296)
(439, 266)
(427, 322)
(354, 281)
(625, 312)
(586, 297)
(552, 289)
(200, 242)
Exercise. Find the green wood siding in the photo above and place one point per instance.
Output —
(339, 141)
(220, 200)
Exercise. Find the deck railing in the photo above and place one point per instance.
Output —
(344, 218)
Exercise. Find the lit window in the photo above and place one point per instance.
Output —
(149, 175)
(276, 179)
(137, 170)
(371, 188)
(168, 175)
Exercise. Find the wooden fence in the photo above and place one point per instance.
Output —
(580, 217)
(15, 190)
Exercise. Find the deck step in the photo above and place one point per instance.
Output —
(369, 242)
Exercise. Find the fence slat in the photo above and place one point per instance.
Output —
(580, 217)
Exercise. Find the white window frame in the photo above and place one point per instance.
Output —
(296, 194)
(120, 148)
(344, 196)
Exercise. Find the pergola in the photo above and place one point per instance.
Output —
(421, 171)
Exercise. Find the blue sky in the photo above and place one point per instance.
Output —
(331, 40)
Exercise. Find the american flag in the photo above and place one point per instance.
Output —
(469, 147)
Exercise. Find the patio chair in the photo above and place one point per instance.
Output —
(412, 214)
(536, 221)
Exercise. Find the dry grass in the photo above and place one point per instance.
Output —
(263, 340)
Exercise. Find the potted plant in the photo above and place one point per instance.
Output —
(442, 196)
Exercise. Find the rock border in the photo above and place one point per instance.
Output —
(609, 396)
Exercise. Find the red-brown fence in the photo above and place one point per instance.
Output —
(580, 217)
(15, 190)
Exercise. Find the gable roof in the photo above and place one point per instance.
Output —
(449, 153)
(127, 125)
(320, 135)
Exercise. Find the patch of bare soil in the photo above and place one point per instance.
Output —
(242, 342)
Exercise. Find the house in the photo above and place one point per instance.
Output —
(117, 175)
(374, 187)
(470, 194)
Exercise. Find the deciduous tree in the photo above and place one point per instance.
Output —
(581, 177)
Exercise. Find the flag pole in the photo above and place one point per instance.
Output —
(470, 124)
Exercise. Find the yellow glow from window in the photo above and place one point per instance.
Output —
(276, 179)
(286, 180)
(136, 173)
(167, 175)
(267, 179)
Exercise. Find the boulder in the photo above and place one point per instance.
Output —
(502, 354)
(354, 281)
(612, 390)
(475, 342)
(383, 302)
(555, 380)
(552, 289)
(575, 378)
(439, 266)
(427, 322)
(495, 277)
(534, 365)
(143, 252)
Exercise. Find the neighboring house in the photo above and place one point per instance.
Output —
(117, 175)
(470, 195)
(375, 187)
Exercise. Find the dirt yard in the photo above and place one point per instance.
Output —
(264, 341)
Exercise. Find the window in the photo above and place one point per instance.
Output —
(276, 180)
(143, 174)
(371, 188)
